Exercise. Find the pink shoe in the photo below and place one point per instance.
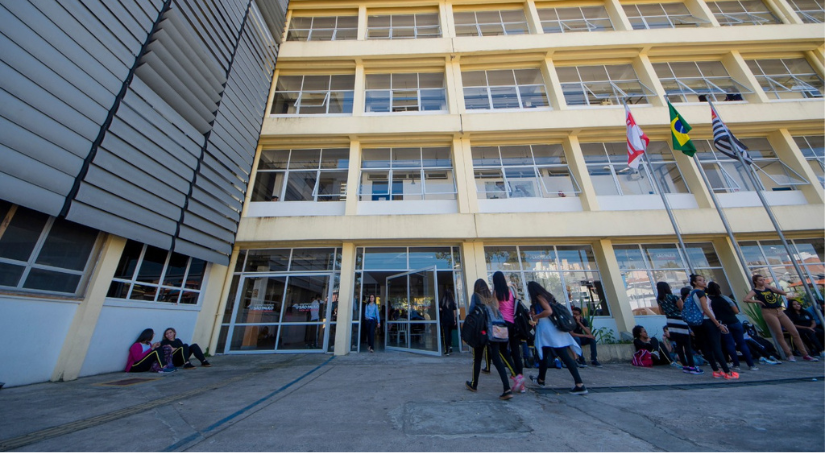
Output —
(810, 358)
(519, 381)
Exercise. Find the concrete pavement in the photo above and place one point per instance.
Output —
(402, 402)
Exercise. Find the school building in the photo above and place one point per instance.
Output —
(396, 148)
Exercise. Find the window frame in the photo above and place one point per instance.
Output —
(774, 87)
(391, 169)
(618, 94)
(392, 90)
(509, 187)
(319, 171)
(589, 24)
(764, 266)
(745, 17)
(415, 27)
(683, 91)
(298, 103)
(810, 15)
(335, 30)
(478, 25)
(648, 171)
(518, 89)
(673, 20)
(809, 151)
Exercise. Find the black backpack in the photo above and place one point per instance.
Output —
(521, 323)
(562, 318)
(474, 330)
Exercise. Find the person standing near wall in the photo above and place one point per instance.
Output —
(373, 320)
(725, 312)
(710, 331)
(447, 316)
(678, 330)
(483, 297)
(769, 298)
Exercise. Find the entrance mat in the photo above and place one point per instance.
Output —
(126, 382)
(696, 386)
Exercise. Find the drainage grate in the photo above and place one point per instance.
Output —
(126, 382)
(697, 386)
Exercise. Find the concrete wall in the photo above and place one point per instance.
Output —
(32, 332)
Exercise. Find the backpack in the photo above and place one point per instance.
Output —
(562, 318)
(474, 329)
(692, 311)
(521, 323)
(497, 331)
(643, 358)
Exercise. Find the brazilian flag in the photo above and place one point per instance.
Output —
(679, 128)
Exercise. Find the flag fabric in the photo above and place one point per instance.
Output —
(722, 137)
(679, 129)
(637, 141)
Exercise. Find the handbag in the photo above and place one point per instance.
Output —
(643, 358)
(500, 332)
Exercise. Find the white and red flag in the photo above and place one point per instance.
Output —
(636, 140)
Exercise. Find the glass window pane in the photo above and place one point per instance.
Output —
(300, 186)
(472, 79)
(152, 266)
(117, 290)
(425, 257)
(10, 274)
(629, 257)
(340, 102)
(533, 96)
(501, 77)
(431, 80)
(273, 159)
(335, 158)
(254, 338)
(377, 101)
(332, 186)
(375, 158)
(664, 257)
(68, 245)
(433, 100)
(406, 158)
(143, 292)
(42, 279)
(22, 234)
(378, 81)
(175, 270)
(504, 97)
(285, 103)
(476, 98)
(268, 186)
(538, 258)
(267, 260)
(128, 260)
(313, 259)
(385, 258)
(197, 268)
(576, 258)
(501, 258)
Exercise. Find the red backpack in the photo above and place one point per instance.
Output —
(643, 358)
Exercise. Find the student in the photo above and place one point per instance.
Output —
(447, 315)
(144, 354)
(507, 298)
(759, 347)
(181, 352)
(641, 340)
(483, 297)
(709, 334)
(725, 311)
(806, 325)
(678, 330)
(769, 298)
(373, 320)
(584, 336)
(548, 338)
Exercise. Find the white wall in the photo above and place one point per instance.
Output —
(122, 321)
(32, 332)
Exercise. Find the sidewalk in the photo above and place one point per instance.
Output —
(392, 401)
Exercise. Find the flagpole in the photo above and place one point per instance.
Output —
(756, 185)
(664, 200)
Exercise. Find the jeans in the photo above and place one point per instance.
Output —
(811, 337)
(591, 342)
(495, 356)
(736, 339)
(371, 333)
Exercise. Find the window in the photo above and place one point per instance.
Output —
(602, 85)
(399, 92)
(698, 81)
(518, 171)
(314, 94)
(661, 15)
(570, 273)
(323, 28)
(570, 19)
(607, 166)
(39, 253)
(490, 23)
(742, 13)
(407, 174)
(155, 275)
(317, 175)
(727, 175)
(813, 148)
(811, 11)
(787, 79)
(642, 266)
(770, 259)
(419, 25)
(504, 89)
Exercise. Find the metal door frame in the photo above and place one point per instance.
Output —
(434, 270)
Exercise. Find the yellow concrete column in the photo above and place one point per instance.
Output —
(211, 300)
(464, 176)
(74, 349)
(225, 289)
(692, 177)
(362, 23)
(353, 179)
(613, 285)
(739, 279)
(533, 20)
(816, 60)
(252, 176)
(617, 15)
(551, 82)
(287, 22)
(783, 11)
(452, 75)
(343, 330)
(475, 267)
(739, 71)
(701, 10)
(446, 19)
(359, 94)
(578, 168)
(782, 142)
(647, 75)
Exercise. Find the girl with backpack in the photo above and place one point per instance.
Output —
(507, 305)
(549, 338)
(772, 311)
(482, 297)
(709, 333)
(726, 311)
(678, 330)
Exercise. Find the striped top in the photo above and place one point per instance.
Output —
(675, 323)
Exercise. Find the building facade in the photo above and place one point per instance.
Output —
(410, 148)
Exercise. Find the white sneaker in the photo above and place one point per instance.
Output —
(754, 368)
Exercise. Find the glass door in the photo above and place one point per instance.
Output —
(412, 323)
(286, 313)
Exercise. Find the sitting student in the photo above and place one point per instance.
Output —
(642, 341)
(583, 336)
(182, 351)
(759, 347)
(145, 356)
(805, 324)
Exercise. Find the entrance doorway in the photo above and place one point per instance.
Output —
(412, 312)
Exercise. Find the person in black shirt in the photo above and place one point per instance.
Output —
(806, 325)
(725, 311)
(583, 336)
(642, 341)
(182, 351)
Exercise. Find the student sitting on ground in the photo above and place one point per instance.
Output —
(642, 341)
(182, 351)
(759, 347)
(147, 356)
